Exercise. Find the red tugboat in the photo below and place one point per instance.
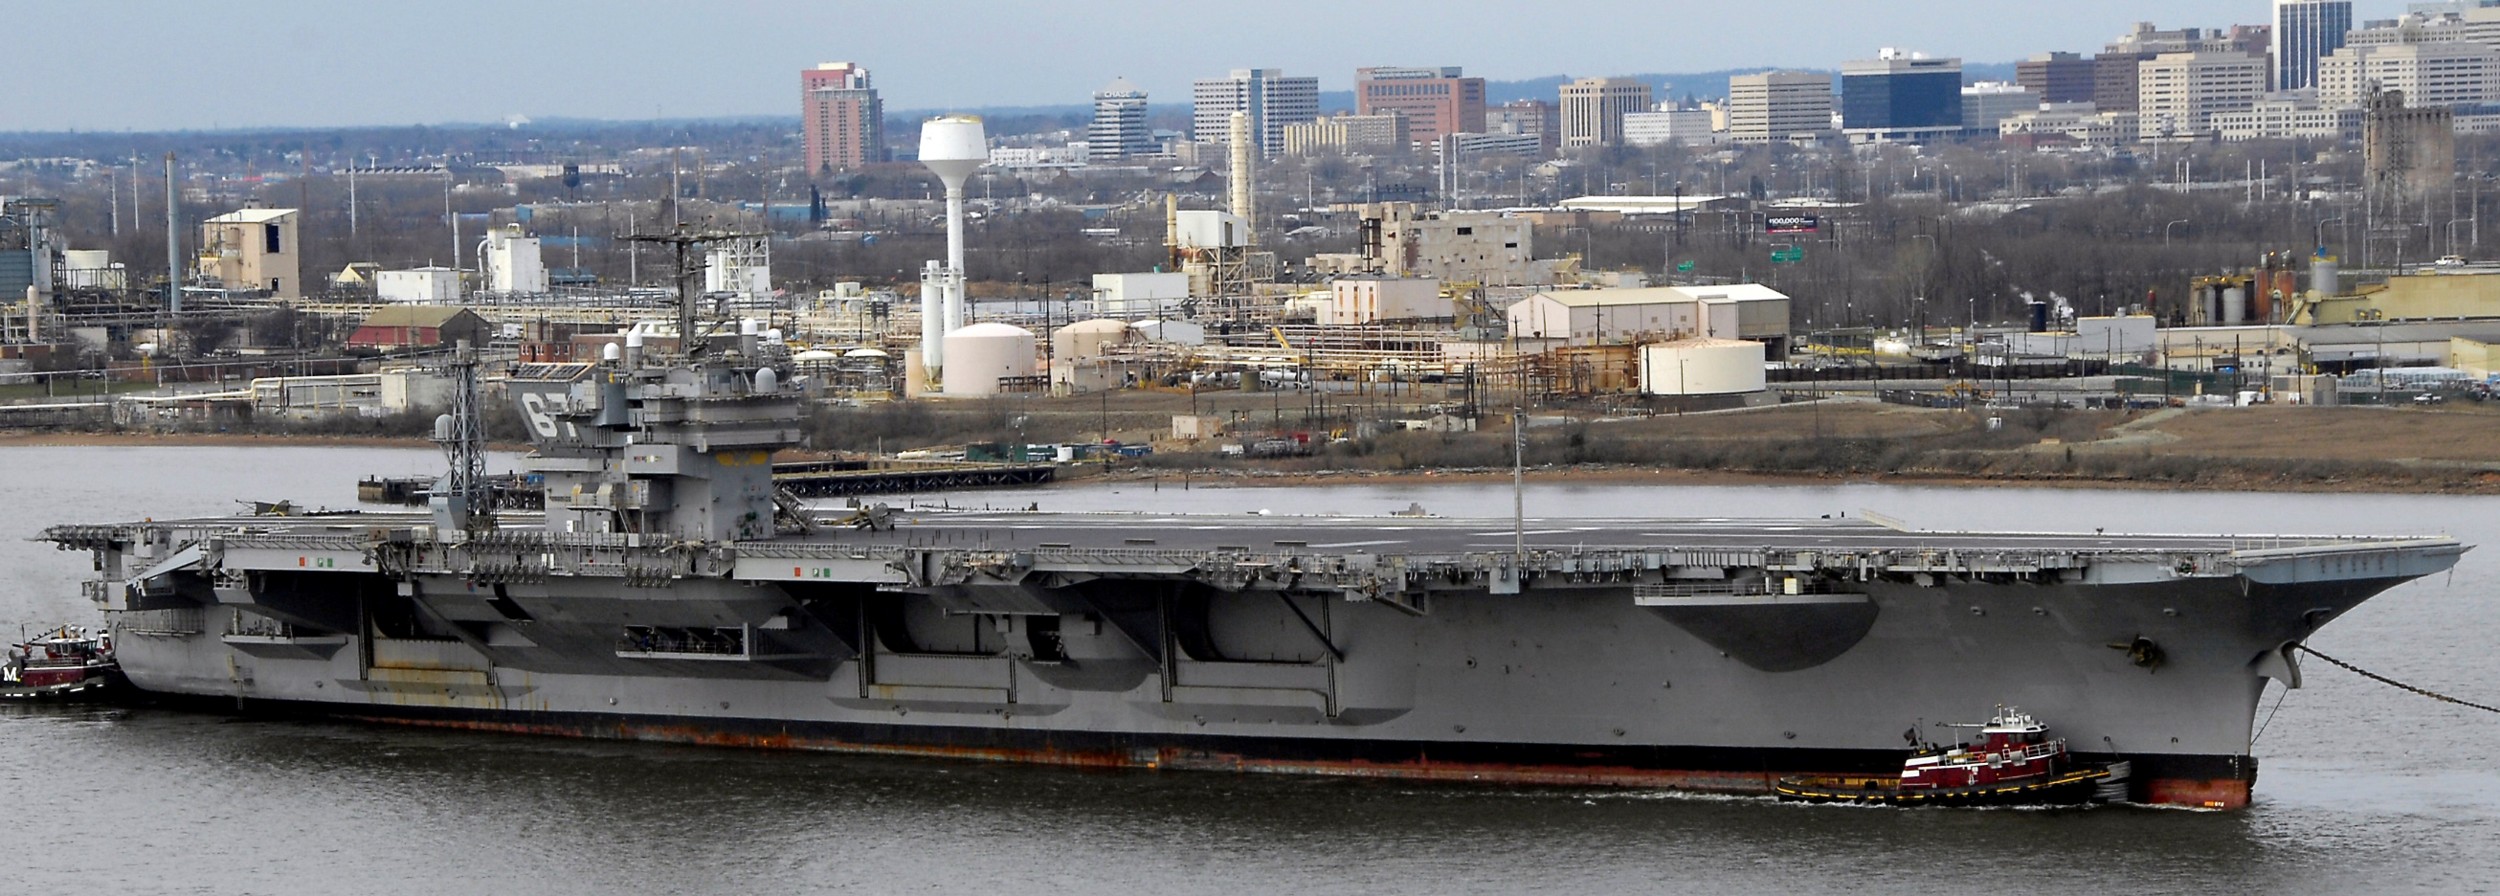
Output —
(2014, 762)
(66, 664)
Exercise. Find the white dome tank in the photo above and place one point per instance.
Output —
(978, 355)
(1087, 338)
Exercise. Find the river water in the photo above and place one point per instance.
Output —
(2364, 788)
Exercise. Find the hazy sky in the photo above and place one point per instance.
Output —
(113, 65)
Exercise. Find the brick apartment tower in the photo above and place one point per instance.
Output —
(2056, 77)
(1435, 101)
(843, 119)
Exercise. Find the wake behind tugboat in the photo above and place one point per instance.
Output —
(2014, 762)
(65, 664)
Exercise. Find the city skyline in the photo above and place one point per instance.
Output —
(322, 65)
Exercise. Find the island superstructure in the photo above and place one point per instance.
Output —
(669, 592)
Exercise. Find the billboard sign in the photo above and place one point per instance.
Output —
(1791, 224)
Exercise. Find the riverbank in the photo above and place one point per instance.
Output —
(2219, 480)
(2451, 450)
(2272, 449)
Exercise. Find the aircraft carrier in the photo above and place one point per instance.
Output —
(668, 592)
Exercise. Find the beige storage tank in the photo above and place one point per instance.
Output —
(1703, 367)
(1087, 338)
(979, 355)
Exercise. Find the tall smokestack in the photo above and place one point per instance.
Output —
(1243, 153)
(1172, 229)
(173, 240)
(933, 314)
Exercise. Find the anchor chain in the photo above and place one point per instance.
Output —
(2382, 679)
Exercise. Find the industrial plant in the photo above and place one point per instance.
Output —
(1601, 257)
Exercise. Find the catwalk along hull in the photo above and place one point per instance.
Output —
(1710, 655)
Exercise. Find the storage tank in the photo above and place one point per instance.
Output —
(2234, 305)
(978, 355)
(1703, 367)
(1087, 338)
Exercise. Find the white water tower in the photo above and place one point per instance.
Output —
(952, 146)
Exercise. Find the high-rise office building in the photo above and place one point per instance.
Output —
(1779, 106)
(1536, 118)
(2254, 40)
(2428, 74)
(2305, 32)
(2433, 23)
(2178, 93)
(2056, 77)
(2114, 80)
(1435, 101)
(1593, 109)
(1119, 130)
(1272, 100)
(2143, 37)
(1667, 125)
(1989, 103)
(1382, 132)
(1900, 96)
(843, 120)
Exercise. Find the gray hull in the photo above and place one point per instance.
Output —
(1417, 648)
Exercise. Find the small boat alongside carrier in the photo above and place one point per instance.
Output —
(2013, 762)
(65, 664)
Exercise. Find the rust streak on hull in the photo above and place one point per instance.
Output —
(2200, 793)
